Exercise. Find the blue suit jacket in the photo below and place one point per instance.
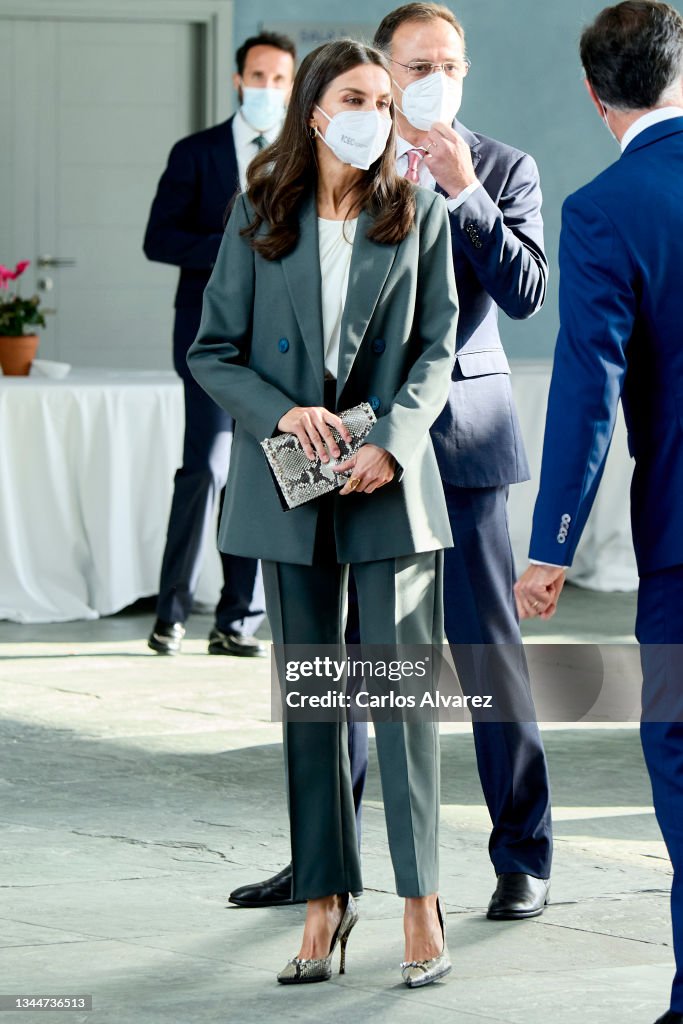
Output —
(499, 262)
(621, 334)
(189, 211)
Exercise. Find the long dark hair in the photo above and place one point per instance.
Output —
(284, 174)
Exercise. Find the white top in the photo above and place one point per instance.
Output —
(335, 242)
(647, 120)
(245, 147)
(425, 175)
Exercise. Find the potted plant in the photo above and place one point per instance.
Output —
(17, 348)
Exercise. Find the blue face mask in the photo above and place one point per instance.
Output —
(263, 109)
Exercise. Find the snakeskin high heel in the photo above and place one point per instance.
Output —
(423, 972)
(299, 972)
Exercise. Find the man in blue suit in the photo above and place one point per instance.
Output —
(621, 335)
(185, 229)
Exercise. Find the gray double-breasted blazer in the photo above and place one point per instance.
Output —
(259, 352)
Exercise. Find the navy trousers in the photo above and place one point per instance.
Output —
(659, 628)
(480, 609)
(198, 484)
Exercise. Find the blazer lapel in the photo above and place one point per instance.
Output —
(471, 139)
(370, 266)
(225, 162)
(301, 269)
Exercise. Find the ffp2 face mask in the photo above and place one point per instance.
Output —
(356, 137)
(434, 98)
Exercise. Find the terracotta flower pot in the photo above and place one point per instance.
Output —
(17, 354)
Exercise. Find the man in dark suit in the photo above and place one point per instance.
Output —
(494, 200)
(621, 335)
(185, 228)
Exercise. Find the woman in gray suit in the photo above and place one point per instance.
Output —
(334, 286)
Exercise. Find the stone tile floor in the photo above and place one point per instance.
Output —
(137, 791)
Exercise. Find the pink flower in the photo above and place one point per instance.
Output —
(20, 268)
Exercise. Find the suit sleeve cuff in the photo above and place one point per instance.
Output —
(462, 197)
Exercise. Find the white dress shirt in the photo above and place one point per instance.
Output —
(245, 147)
(647, 120)
(335, 242)
(425, 175)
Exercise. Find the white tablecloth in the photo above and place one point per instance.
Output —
(86, 477)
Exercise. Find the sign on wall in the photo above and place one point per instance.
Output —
(309, 34)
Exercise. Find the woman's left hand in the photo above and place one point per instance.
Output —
(371, 468)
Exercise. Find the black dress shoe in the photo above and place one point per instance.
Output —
(518, 896)
(166, 636)
(273, 892)
(235, 644)
(670, 1017)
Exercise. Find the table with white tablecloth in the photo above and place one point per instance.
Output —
(86, 479)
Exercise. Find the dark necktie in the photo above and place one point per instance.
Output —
(260, 141)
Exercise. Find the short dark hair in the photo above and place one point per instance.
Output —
(413, 12)
(633, 52)
(275, 39)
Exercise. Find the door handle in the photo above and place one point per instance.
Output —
(56, 261)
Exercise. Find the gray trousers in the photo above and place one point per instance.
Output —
(400, 602)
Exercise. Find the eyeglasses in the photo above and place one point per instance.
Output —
(422, 68)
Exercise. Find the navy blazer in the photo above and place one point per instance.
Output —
(188, 214)
(499, 262)
(621, 334)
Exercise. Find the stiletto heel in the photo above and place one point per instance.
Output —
(422, 972)
(342, 955)
(299, 971)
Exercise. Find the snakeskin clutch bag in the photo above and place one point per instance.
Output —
(297, 478)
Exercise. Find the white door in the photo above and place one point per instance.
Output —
(94, 108)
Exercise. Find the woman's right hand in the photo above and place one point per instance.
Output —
(311, 424)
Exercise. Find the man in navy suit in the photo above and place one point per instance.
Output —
(185, 228)
(621, 335)
(494, 199)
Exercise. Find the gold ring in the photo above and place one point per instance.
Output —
(354, 482)
(535, 605)
(429, 146)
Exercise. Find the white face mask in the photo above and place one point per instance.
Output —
(262, 108)
(606, 120)
(356, 137)
(434, 98)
